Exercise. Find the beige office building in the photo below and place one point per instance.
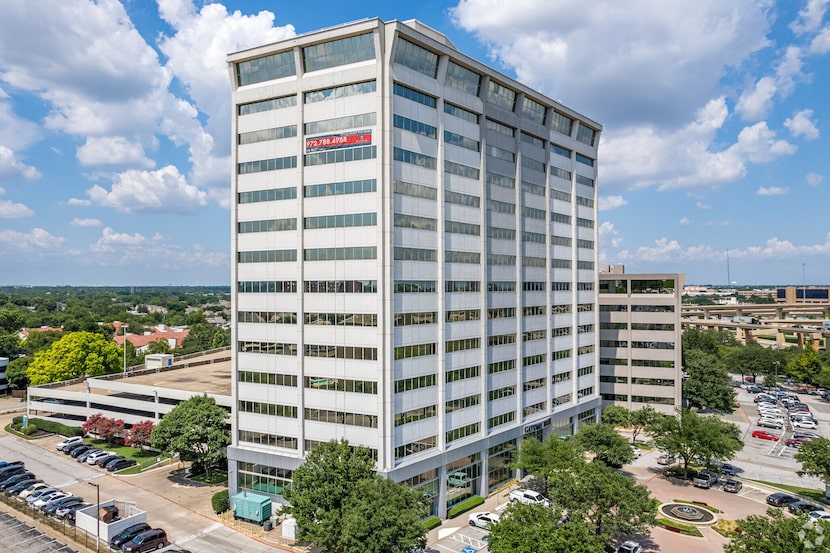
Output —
(640, 339)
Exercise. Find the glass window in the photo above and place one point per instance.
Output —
(501, 96)
(341, 123)
(463, 79)
(460, 140)
(414, 95)
(340, 92)
(267, 68)
(339, 188)
(533, 110)
(401, 122)
(562, 123)
(461, 113)
(263, 135)
(339, 52)
(585, 160)
(268, 105)
(415, 57)
(586, 135)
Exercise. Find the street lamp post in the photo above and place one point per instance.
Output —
(125, 348)
(97, 514)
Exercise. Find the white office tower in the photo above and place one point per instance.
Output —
(414, 260)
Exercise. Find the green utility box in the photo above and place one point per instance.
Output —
(251, 506)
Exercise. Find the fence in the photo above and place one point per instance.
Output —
(63, 526)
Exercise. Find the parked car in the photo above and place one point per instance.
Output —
(34, 496)
(780, 499)
(70, 512)
(106, 459)
(728, 469)
(12, 480)
(155, 538)
(20, 486)
(732, 486)
(67, 449)
(120, 464)
(94, 458)
(32, 489)
(799, 507)
(11, 470)
(81, 449)
(666, 459)
(482, 520)
(795, 442)
(45, 499)
(84, 457)
(64, 510)
(69, 441)
(819, 515)
(805, 424)
(629, 547)
(529, 497)
(767, 422)
(127, 534)
(52, 506)
(636, 451)
(764, 435)
(705, 480)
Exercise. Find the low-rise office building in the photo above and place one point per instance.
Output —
(640, 339)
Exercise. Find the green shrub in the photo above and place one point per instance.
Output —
(430, 523)
(220, 501)
(465, 506)
(49, 426)
(29, 430)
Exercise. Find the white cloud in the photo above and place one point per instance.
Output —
(701, 205)
(607, 203)
(684, 221)
(809, 18)
(39, 240)
(161, 191)
(718, 223)
(16, 133)
(759, 145)
(111, 241)
(757, 101)
(771, 191)
(814, 179)
(12, 210)
(12, 168)
(821, 42)
(113, 150)
(801, 124)
(76, 222)
(636, 63)
(609, 235)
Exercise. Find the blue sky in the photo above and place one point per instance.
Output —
(115, 118)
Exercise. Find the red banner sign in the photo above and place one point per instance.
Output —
(331, 141)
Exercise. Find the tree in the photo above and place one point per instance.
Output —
(75, 355)
(196, 430)
(544, 459)
(814, 456)
(383, 516)
(10, 345)
(532, 528)
(691, 436)
(805, 366)
(104, 428)
(610, 502)
(158, 346)
(641, 419)
(342, 507)
(616, 415)
(17, 373)
(706, 341)
(140, 434)
(708, 384)
(605, 443)
(776, 533)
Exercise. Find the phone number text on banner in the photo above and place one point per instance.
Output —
(332, 141)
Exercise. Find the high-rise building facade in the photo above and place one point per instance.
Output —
(414, 260)
(640, 347)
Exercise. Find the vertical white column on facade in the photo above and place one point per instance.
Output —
(385, 292)
(300, 294)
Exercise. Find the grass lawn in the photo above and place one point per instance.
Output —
(144, 458)
(814, 495)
